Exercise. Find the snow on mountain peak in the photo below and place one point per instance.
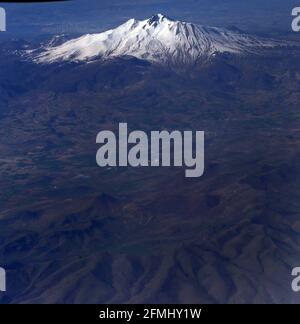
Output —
(157, 39)
(158, 18)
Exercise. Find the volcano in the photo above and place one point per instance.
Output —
(157, 39)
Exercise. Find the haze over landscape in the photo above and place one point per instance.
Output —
(81, 16)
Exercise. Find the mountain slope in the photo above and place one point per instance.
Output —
(158, 39)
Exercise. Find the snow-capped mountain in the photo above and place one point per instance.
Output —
(158, 39)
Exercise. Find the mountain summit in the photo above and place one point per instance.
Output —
(157, 39)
